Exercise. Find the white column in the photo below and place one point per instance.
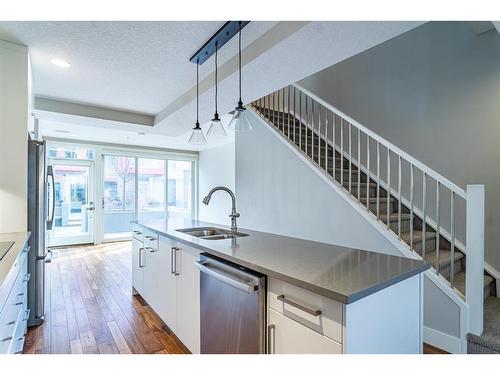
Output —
(475, 257)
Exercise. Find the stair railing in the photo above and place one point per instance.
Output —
(380, 174)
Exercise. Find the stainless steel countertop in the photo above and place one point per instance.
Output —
(341, 273)
(9, 259)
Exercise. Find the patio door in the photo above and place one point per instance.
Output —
(74, 202)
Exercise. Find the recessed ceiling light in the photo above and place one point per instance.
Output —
(141, 133)
(61, 63)
(62, 131)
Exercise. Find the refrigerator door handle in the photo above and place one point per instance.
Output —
(51, 210)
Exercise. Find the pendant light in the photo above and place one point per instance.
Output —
(197, 137)
(216, 128)
(240, 121)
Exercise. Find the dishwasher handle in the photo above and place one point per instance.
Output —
(245, 287)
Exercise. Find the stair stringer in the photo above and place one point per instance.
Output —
(432, 335)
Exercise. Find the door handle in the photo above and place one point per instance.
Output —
(141, 263)
(283, 299)
(271, 328)
(227, 279)
(173, 261)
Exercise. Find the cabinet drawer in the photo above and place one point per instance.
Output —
(286, 336)
(150, 240)
(312, 310)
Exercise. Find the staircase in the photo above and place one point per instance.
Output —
(423, 210)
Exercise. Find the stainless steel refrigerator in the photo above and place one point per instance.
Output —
(41, 197)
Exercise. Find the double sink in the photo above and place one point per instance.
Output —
(212, 233)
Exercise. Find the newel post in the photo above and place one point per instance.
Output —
(474, 281)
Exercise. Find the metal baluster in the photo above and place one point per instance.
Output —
(307, 120)
(349, 137)
(359, 165)
(424, 210)
(367, 172)
(411, 206)
(334, 118)
(326, 140)
(288, 111)
(275, 94)
(388, 187)
(319, 135)
(300, 120)
(378, 180)
(283, 110)
(452, 229)
(342, 151)
(312, 130)
(399, 197)
(438, 217)
(278, 111)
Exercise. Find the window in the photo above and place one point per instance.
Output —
(118, 195)
(179, 189)
(74, 153)
(151, 185)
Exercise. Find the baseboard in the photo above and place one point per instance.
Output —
(442, 340)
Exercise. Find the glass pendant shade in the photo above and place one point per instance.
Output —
(216, 128)
(197, 137)
(240, 121)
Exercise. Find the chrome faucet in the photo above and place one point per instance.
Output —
(233, 214)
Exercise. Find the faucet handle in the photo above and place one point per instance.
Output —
(234, 214)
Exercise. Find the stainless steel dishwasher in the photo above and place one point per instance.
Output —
(233, 303)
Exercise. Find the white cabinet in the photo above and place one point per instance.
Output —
(286, 336)
(138, 265)
(167, 283)
(167, 278)
(188, 298)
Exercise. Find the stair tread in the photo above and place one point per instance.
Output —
(417, 236)
(394, 217)
(444, 257)
(460, 281)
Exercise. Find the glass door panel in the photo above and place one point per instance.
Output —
(179, 189)
(118, 195)
(151, 186)
(74, 203)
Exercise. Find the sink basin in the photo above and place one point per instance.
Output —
(211, 233)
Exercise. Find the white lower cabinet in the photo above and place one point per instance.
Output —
(188, 298)
(171, 286)
(286, 336)
(138, 265)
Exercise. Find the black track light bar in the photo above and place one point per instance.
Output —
(221, 37)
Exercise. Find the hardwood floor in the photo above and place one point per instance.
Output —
(429, 349)
(91, 310)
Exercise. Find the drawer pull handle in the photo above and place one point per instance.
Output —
(26, 249)
(18, 304)
(26, 314)
(7, 339)
(27, 277)
(283, 299)
(11, 323)
(136, 232)
(151, 238)
(151, 250)
(271, 348)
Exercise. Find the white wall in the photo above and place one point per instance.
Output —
(216, 168)
(433, 92)
(278, 193)
(14, 114)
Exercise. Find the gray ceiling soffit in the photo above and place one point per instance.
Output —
(75, 109)
(264, 43)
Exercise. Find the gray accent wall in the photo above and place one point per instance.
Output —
(433, 92)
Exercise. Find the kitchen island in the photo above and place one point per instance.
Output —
(369, 302)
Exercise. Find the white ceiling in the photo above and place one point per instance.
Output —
(143, 67)
(134, 66)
